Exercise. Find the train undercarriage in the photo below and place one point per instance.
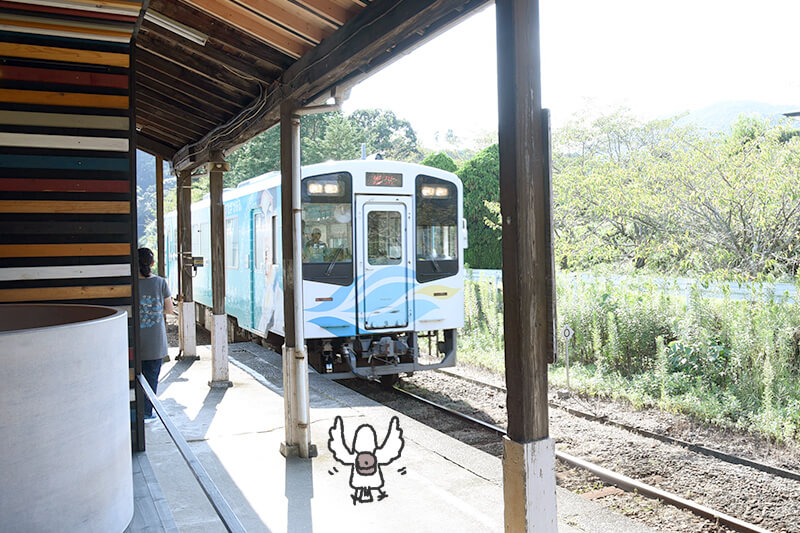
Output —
(378, 357)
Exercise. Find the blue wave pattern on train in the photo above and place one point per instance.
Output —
(383, 270)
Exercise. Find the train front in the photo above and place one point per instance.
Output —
(383, 267)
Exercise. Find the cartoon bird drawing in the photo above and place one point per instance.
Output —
(366, 457)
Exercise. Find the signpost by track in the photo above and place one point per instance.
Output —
(567, 332)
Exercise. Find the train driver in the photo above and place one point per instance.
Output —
(315, 249)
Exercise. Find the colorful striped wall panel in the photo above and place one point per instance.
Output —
(67, 189)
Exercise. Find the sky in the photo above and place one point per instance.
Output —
(656, 58)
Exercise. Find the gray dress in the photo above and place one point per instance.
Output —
(153, 332)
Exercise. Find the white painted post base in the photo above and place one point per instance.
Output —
(529, 486)
(289, 447)
(302, 405)
(188, 336)
(296, 406)
(219, 353)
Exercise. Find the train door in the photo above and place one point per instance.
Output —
(258, 247)
(384, 261)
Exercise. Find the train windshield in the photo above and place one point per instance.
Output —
(437, 228)
(327, 228)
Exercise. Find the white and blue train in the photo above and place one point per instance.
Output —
(383, 264)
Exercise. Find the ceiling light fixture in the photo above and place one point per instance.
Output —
(176, 27)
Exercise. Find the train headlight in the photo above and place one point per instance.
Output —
(324, 188)
(429, 191)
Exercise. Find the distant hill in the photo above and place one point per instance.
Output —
(720, 116)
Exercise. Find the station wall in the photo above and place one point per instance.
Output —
(67, 157)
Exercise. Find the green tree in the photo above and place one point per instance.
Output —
(325, 137)
(383, 132)
(340, 140)
(480, 177)
(653, 193)
(262, 153)
(259, 155)
(603, 208)
(440, 160)
(672, 198)
(145, 211)
(740, 200)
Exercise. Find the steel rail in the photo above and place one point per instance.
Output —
(613, 478)
(697, 448)
(215, 497)
(644, 489)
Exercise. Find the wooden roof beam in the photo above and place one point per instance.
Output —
(309, 26)
(154, 147)
(330, 10)
(152, 36)
(217, 76)
(147, 126)
(255, 25)
(129, 9)
(188, 117)
(221, 34)
(317, 19)
(158, 113)
(156, 119)
(153, 126)
(188, 83)
(211, 106)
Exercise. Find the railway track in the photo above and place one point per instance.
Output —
(697, 448)
(614, 478)
(748, 493)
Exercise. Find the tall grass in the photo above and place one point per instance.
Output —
(732, 363)
(480, 342)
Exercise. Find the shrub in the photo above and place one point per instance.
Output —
(481, 180)
(724, 361)
(440, 160)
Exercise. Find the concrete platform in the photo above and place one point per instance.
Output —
(437, 482)
(151, 513)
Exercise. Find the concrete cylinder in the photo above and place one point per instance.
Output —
(65, 433)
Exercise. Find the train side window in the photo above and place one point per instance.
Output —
(437, 228)
(231, 243)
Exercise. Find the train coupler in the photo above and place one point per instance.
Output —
(328, 358)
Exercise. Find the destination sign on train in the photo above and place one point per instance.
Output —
(384, 179)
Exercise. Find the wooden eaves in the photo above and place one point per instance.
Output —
(193, 99)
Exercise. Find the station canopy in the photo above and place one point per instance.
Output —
(212, 74)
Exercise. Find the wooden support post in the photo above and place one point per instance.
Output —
(179, 240)
(219, 331)
(188, 337)
(529, 454)
(160, 215)
(295, 361)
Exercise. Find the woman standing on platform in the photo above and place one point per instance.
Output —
(154, 301)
